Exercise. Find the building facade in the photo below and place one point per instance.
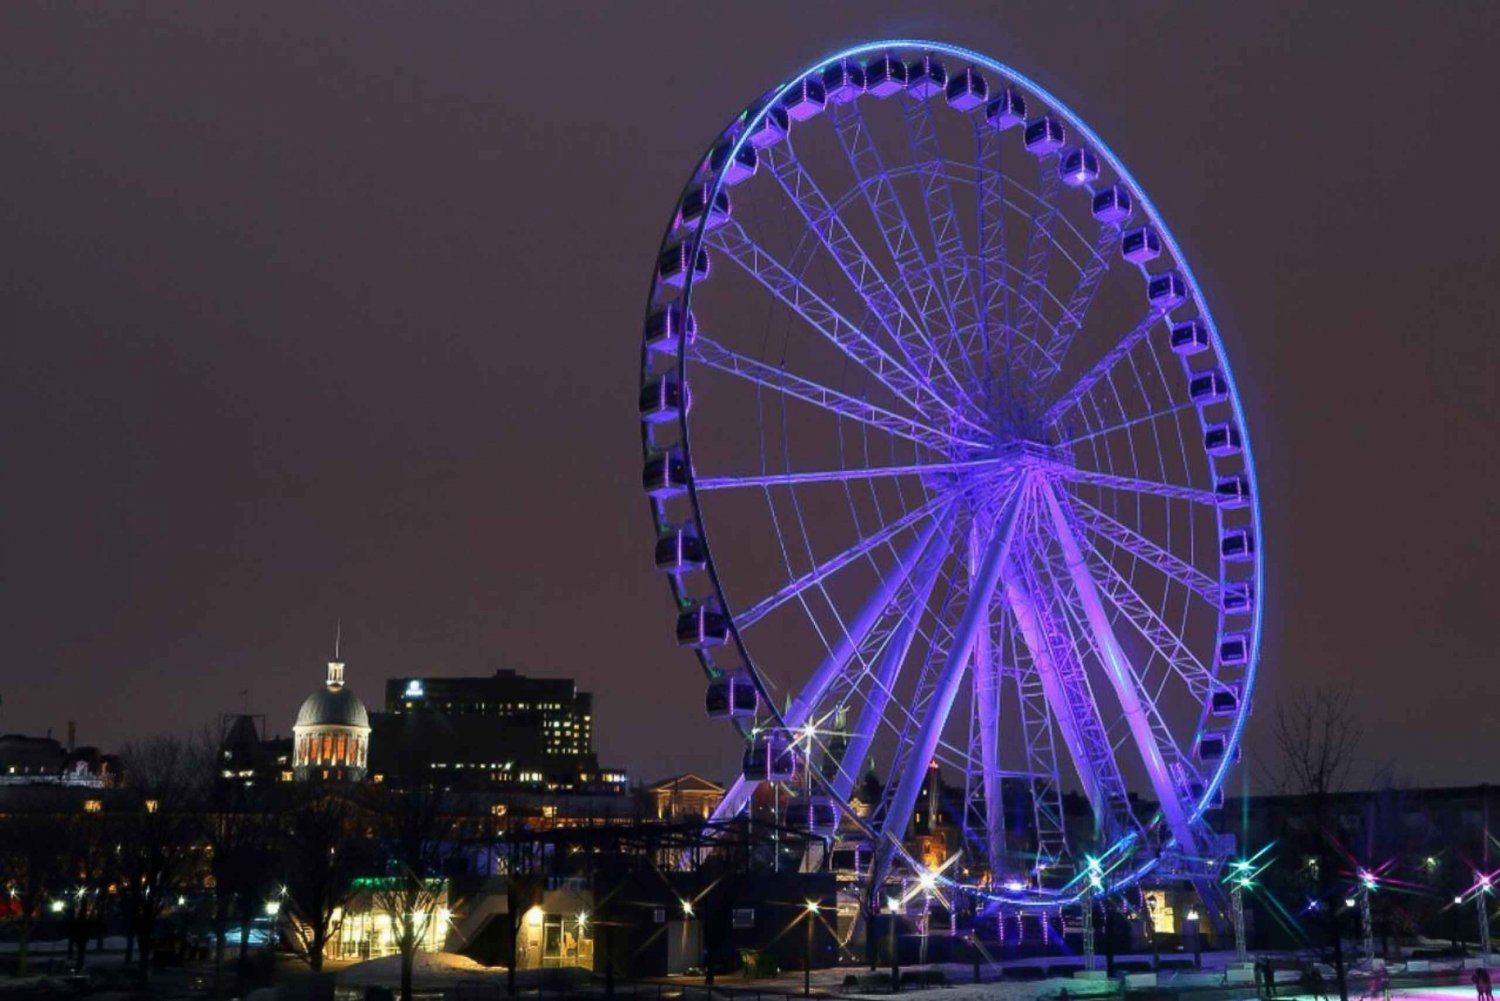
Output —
(331, 738)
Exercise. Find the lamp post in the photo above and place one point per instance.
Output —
(892, 905)
(1482, 905)
(1192, 925)
(808, 917)
(1366, 922)
(1242, 876)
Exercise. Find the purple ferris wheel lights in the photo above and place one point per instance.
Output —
(918, 356)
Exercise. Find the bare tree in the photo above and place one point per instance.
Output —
(90, 862)
(240, 832)
(326, 847)
(419, 828)
(525, 885)
(31, 868)
(1318, 741)
(159, 835)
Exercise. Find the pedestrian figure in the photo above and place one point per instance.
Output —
(1260, 980)
(1482, 986)
(1270, 976)
(1317, 987)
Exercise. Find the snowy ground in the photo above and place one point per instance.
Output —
(430, 971)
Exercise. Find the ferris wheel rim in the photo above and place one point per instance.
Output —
(749, 119)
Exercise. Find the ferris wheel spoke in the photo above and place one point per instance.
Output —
(888, 669)
(947, 235)
(1117, 669)
(1039, 244)
(1131, 485)
(731, 239)
(1101, 368)
(745, 619)
(1039, 747)
(1065, 688)
(845, 475)
(1145, 550)
(994, 290)
(984, 675)
(939, 703)
(1168, 645)
(1082, 297)
(720, 358)
(1125, 425)
(824, 222)
(875, 184)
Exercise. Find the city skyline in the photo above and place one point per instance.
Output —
(333, 316)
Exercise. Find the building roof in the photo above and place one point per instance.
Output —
(333, 707)
(687, 782)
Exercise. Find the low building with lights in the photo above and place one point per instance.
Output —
(367, 928)
(683, 796)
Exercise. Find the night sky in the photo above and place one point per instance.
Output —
(331, 310)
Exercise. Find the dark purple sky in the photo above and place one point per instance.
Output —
(316, 310)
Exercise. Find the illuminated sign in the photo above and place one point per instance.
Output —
(414, 689)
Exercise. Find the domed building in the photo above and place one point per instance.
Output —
(331, 738)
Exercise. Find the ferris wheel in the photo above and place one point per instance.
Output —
(950, 479)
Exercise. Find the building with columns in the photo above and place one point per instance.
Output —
(331, 738)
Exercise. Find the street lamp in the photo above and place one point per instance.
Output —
(893, 907)
(807, 919)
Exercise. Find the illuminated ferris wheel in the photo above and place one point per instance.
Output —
(947, 468)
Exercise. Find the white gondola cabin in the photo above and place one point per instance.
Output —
(1233, 492)
(666, 328)
(1189, 338)
(735, 165)
(731, 696)
(771, 129)
(967, 90)
(1211, 748)
(1166, 290)
(1007, 109)
(805, 99)
(885, 76)
(926, 77)
(843, 81)
(1238, 598)
(665, 475)
(1045, 135)
(1237, 546)
(1141, 245)
(677, 260)
(661, 400)
(702, 626)
(1234, 650)
(1224, 701)
(771, 757)
(680, 550)
(698, 203)
(1221, 440)
(1113, 204)
(1077, 167)
(1207, 387)
(817, 815)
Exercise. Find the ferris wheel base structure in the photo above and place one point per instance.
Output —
(951, 486)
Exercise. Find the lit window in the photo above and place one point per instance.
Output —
(153, 805)
(92, 806)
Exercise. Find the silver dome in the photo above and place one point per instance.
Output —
(333, 707)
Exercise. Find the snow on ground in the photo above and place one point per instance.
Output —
(430, 970)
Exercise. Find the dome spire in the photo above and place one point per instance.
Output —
(336, 666)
